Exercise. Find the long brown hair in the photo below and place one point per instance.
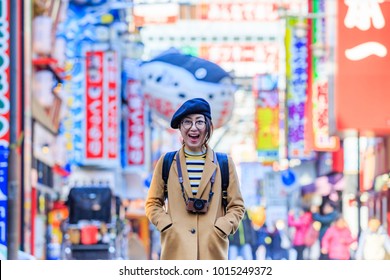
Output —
(209, 130)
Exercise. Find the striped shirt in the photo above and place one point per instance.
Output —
(195, 165)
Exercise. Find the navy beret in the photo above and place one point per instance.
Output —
(192, 106)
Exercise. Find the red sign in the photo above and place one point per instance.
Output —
(322, 140)
(94, 123)
(4, 75)
(135, 125)
(363, 77)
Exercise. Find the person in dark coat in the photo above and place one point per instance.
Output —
(241, 243)
(275, 249)
(326, 215)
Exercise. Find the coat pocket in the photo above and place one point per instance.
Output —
(220, 233)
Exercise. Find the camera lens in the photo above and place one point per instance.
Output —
(198, 204)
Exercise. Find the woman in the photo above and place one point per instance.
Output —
(374, 242)
(277, 241)
(337, 240)
(326, 215)
(301, 225)
(188, 233)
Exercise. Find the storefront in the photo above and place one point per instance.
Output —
(379, 200)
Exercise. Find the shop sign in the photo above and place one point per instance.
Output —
(267, 117)
(171, 78)
(318, 81)
(73, 122)
(135, 125)
(4, 74)
(322, 140)
(112, 140)
(246, 59)
(101, 108)
(94, 108)
(362, 78)
(3, 200)
(155, 14)
(250, 11)
(260, 52)
(4, 123)
(297, 78)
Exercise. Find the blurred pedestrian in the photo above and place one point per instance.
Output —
(337, 240)
(325, 215)
(261, 245)
(194, 224)
(277, 242)
(241, 242)
(374, 242)
(301, 223)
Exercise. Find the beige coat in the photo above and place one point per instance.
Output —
(194, 236)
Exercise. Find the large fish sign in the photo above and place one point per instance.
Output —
(171, 78)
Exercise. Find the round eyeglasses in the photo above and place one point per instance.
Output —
(187, 124)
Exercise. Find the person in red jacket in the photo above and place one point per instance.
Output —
(301, 223)
(337, 240)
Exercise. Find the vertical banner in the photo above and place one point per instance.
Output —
(72, 126)
(362, 76)
(319, 81)
(4, 74)
(266, 93)
(297, 78)
(112, 119)
(135, 125)
(94, 107)
(3, 201)
(101, 108)
(4, 122)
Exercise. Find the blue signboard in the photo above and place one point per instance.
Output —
(3, 200)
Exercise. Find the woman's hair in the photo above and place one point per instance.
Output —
(209, 130)
(325, 203)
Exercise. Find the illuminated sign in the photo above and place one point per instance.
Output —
(362, 76)
(318, 82)
(94, 121)
(4, 122)
(135, 125)
(4, 75)
(252, 11)
(101, 107)
(267, 117)
(297, 78)
(111, 74)
(155, 14)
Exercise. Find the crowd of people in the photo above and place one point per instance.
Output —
(310, 233)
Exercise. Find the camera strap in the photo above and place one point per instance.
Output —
(212, 180)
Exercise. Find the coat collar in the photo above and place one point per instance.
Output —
(209, 168)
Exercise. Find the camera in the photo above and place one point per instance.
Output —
(196, 205)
